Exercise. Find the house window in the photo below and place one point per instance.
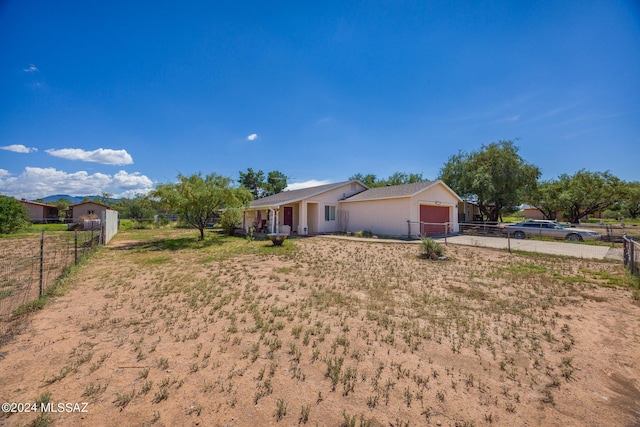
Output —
(329, 213)
(91, 212)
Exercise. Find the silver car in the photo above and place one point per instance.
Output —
(553, 229)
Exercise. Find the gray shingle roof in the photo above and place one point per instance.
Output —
(391, 191)
(293, 196)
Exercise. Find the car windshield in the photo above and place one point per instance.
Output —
(558, 225)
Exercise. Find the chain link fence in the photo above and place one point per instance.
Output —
(420, 229)
(501, 236)
(30, 265)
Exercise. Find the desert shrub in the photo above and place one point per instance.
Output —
(13, 216)
(230, 220)
(363, 233)
(430, 249)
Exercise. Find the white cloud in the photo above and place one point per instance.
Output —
(18, 148)
(105, 156)
(35, 182)
(131, 180)
(252, 137)
(306, 184)
(30, 69)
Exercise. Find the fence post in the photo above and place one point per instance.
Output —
(408, 229)
(75, 246)
(632, 257)
(40, 291)
(509, 240)
(446, 232)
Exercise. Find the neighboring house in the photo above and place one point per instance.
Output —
(531, 212)
(306, 211)
(396, 210)
(421, 208)
(41, 213)
(469, 212)
(86, 210)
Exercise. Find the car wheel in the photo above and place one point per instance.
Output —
(519, 235)
(574, 238)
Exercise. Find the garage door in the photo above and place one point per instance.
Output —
(431, 217)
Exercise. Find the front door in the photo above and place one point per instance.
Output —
(288, 216)
(431, 218)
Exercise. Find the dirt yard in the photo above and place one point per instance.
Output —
(159, 329)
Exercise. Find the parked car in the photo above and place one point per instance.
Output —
(553, 229)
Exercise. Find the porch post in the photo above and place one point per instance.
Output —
(303, 229)
(273, 220)
(276, 219)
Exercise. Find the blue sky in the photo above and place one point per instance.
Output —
(119, 96)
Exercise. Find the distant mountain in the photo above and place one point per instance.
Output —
(74, 199)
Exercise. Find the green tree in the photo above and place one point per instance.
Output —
(256, 183)
(585, 193)
(138, 209)
(105, 198)
(397, 178)
(253, 181)
(631, 199)
(495, 177)
(546, 198)
(276, 183)
(199, 200)
(13, 216)
(369, 179)
(230, 219)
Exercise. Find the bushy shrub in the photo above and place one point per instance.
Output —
(230, 220)
(13, 216)
(430, 249)
(363, 233)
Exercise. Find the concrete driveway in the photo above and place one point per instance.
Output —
(546, 247)
(554, 248)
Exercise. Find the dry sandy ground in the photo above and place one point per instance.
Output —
(329, 333)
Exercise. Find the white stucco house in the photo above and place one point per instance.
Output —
(310, 210)
(421, 208)
(399, 210)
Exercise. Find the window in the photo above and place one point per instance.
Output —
(329, 213)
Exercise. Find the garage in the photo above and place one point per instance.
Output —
(433, 219)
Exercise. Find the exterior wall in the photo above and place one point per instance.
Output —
(387, 217)
(36, 212)
(109, 218)
(330, 198)
(85, 209)
(533, 213)
(312, 217)
(41, 214)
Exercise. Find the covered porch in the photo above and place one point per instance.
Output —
(298, 218)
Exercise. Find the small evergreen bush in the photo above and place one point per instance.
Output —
(430, 249)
